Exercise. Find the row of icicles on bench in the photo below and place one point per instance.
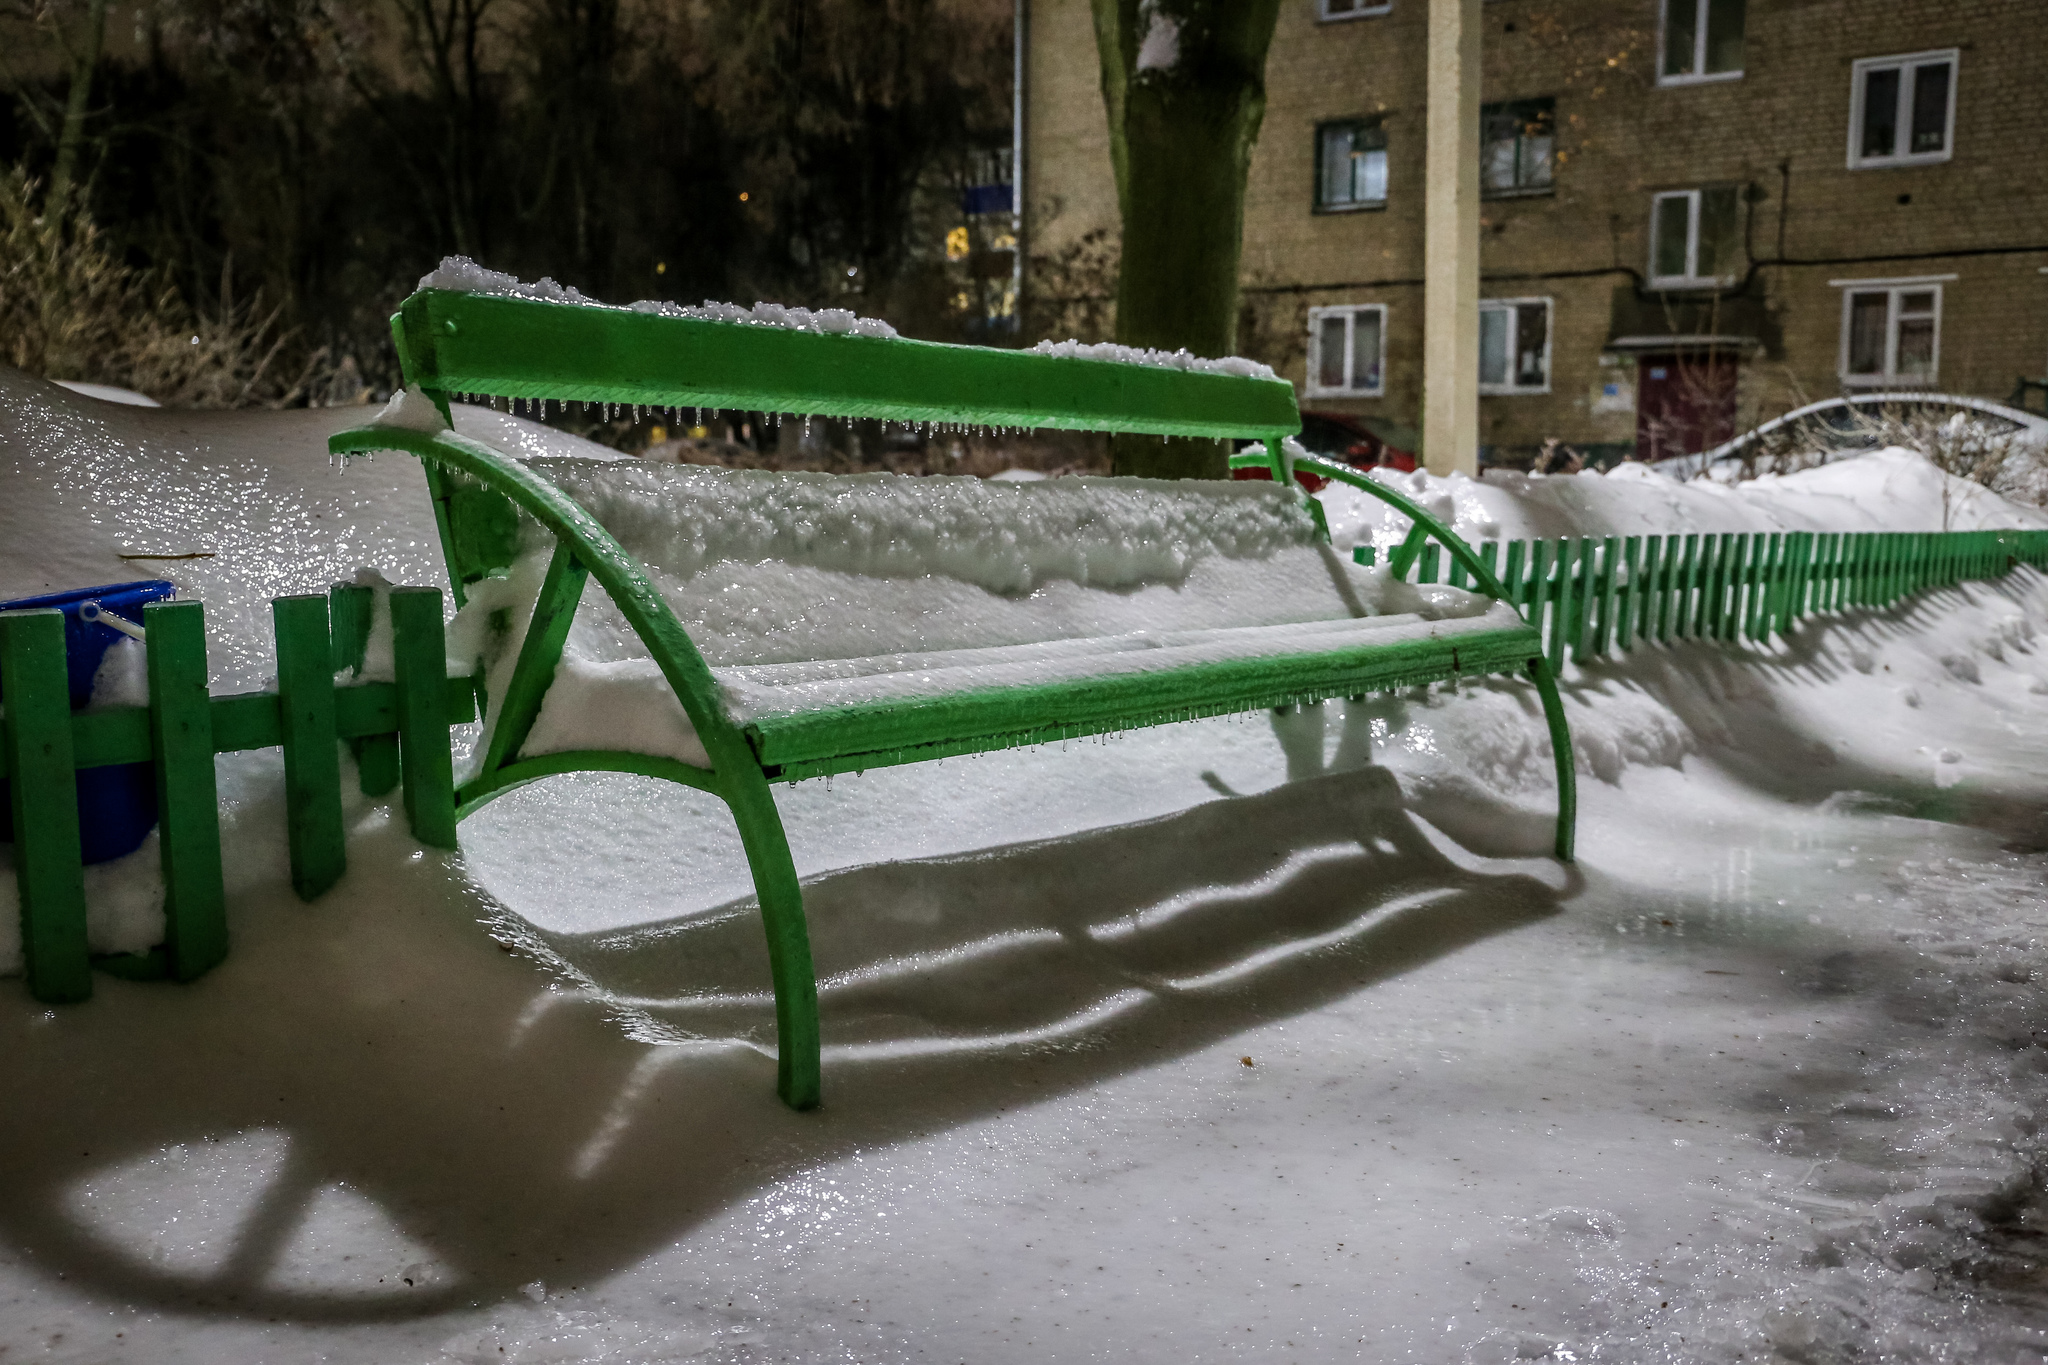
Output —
(537, 408)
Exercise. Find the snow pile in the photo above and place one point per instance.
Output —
(1163, 360)
(1886, 490)
(461, 274)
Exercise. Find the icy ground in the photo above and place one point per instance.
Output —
(1209, 1043)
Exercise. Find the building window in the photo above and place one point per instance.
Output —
(1902, 110)
(1517, 146)
(1514, 345)
(1351, 9)
(1695, 238)
(1702, 41)
(1891, 332)
(1351, 166)
(1347, 349)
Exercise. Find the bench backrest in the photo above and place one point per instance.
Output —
(456, 342)
(770, 567)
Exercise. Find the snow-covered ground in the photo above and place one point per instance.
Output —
(1213, 1042)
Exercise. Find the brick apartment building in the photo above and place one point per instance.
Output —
(1698, 213)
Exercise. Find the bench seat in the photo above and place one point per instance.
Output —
(844, 715)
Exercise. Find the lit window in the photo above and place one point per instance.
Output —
(1702, 41)
(1891, 332)
(1902, 110)
(1347, 350)
(1352, 9)
(1514, 346)
(1351, 166)
(1695, 238)
(1517, 146)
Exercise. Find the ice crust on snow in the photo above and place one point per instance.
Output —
(463, 275)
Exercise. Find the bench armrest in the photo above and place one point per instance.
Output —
(1426, 526)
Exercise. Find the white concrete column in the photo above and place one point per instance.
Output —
(1450, 259)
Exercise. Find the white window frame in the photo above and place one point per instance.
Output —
(1508, 306)
(1699, 47)
(1691, 279)
(1890, 378)
(1315, 349)
(1323, 14)
(1904, 65)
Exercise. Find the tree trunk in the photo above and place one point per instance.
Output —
(1184, 82)
(71, 137)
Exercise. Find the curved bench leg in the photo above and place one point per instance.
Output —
(797, 1067)
(1561, 746)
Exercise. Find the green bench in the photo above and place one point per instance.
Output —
(531, 352)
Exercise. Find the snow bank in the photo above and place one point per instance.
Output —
(1886, 490)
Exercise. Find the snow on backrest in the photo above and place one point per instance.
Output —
(767, 567)
(1006, 537)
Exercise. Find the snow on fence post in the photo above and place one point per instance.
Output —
(351, 607)
(48, 864)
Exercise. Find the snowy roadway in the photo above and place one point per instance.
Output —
(1117, 1068)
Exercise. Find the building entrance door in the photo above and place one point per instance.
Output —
(1685, 403)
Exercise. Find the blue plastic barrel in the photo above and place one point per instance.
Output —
(116, 805)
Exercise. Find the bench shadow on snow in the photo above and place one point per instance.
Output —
(506, 1130)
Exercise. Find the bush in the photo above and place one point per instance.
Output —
(72, 309)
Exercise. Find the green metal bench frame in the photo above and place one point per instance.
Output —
(452, 344)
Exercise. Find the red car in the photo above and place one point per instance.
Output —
(1361, 442)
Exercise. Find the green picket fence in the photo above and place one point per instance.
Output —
(398, 730)
(1593, 595)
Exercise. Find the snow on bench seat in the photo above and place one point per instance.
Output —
(810, 594)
